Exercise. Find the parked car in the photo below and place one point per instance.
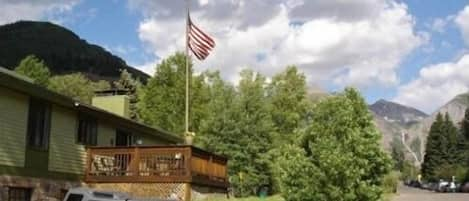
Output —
(464, 187)
(88, 194)
(415, 184)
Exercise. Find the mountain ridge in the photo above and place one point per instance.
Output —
(62, 50)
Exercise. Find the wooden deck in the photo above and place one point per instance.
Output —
(155, 164)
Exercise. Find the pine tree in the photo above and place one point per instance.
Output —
(434, 149)
(131, 86)
(35, 69)
(451, 135)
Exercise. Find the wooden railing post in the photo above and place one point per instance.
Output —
(188, 162)
(135, 162)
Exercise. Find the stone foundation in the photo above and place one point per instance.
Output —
(41, 189)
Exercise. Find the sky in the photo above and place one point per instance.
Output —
(414, 52)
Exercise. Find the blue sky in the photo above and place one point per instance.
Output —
(410, 51)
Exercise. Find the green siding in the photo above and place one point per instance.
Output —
(13, 124)
(37, 159)
(106, 133)
(65, 155)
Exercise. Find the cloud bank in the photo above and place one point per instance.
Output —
(358, 43)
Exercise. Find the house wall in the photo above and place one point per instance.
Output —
(106, 134)
(13, 124)
(65, 155)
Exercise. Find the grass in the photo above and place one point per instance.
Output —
(386, 197)
(270, 198)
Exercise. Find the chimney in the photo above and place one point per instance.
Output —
(114, 101)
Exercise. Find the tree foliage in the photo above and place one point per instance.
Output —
(76, 86)
(339, 156)
(35, 69)
(130, 85)
(441, 147)
(289, 103)
(397, 153)
(163, 97)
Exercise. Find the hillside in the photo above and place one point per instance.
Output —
(394, 112)
(393, 118)
(61, 49)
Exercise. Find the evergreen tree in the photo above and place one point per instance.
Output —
(130, 85)
(434, 149)
(35, 69)
(451, 138)
(339, 156)
(465, 124)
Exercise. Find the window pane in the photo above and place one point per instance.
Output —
(87, 130)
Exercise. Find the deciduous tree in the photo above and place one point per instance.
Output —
(338, 157)
(35, 69)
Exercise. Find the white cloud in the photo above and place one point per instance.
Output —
(440, 24)
(357, 43)
(14, 10)
(436, 85)
(462, 20)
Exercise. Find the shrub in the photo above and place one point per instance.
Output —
(391, 181)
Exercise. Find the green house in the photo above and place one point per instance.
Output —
(46, 142)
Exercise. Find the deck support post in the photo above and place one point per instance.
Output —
(188, 192)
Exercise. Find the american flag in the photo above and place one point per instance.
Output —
(199, 42)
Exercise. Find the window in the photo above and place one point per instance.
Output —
(87, 130)
(124, 138)
(38, 124)
(19, 194)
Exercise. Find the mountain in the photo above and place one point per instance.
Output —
(394, 112)
(392, 119)
(455, 108)
(61, 49)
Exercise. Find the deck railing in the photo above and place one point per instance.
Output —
(185, 164)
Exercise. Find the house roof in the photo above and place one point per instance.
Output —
(12, 80)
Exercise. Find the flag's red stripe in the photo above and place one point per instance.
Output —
(201, 51)
(208, 38)
(200, 42)
(212, 42)
(195, 34)
(201, 54)
(201, 47)
(195, 53)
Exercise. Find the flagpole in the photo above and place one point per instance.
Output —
(187, 69)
